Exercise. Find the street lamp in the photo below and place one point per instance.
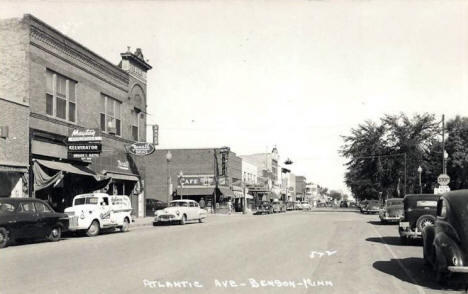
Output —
(169, 181)
(420, 186)
(181, 183)
(445, 162)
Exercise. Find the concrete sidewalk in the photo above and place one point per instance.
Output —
(148, 221)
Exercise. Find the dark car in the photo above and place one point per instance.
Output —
(392, 210)
(27, 218)
(152, 205)
(446, 242)
(278, 206)
(362, 205)
(372, 206)
(265, 208)
(419, 210)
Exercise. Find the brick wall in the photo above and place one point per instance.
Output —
(14, 36)
(15, 148)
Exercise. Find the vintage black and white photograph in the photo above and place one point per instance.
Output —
(244, 147)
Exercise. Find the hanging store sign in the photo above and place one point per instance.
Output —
(140, 148)
(85, 148)
(87, 135)
(196, 181)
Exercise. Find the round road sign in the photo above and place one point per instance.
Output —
(443, 179)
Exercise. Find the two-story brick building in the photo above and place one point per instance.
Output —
(53, 86)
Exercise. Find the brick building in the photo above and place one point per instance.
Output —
(199, 167)
(53, 86)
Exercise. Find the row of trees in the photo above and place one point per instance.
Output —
(381, 155)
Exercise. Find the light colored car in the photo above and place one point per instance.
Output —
(93, 212)
(306, 206)
(180, 211)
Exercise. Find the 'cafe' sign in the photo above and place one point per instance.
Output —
(141, 148)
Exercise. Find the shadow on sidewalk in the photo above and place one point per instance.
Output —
(394, 241)
(421, 274)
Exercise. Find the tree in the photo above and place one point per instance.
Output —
(377, 152)
(336, 195)
(457, 148)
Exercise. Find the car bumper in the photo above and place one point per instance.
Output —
(166, 218)
(405, 231)
(390, 218)
(458, 269)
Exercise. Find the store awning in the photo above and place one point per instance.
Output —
(195, 191)
(125, 177)
(13, 169)
(67, 167)
(226, 192)
(248, 196)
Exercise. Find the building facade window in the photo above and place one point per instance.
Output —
(60, 96)
(110, 115)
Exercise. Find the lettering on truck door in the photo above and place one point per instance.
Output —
(105, 211)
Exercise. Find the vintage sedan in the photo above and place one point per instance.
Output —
(372, 206)
(27, 218)
(446, 242)
(392, 211)
(419, 210)
(180, 211)
(278, 206)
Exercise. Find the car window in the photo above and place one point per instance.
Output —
(191, 204)
(429, 203)
(41, 207)
(6, 208)
(105, 200)
(27, 207)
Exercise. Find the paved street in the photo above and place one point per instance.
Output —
(323, 251)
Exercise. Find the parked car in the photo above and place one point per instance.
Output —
(278, 206)
(152, 205)
(290, 205)
(419, 210)
(265, 207)
(344, 204)
(306, 206)
(362, 205)
(180, 211)
(392, 210)
(298, 205)
(26, 218)
(446, 242)
(94, 212)
(372, 206)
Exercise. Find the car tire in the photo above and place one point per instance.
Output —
(93, 229)
(125, 225)
(55, 234)
(3, 237)
(183, 220)
(425, 220)
(200, 220)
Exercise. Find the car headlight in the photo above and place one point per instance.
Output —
(178, 212)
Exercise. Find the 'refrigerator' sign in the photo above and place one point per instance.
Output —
(141, 148)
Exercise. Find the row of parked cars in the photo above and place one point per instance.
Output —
(441, 221)
(30, 218)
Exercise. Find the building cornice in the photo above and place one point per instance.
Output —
(43, 36)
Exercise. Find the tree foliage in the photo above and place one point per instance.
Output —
(378, 153)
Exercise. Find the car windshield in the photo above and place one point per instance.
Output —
(394, 202)
(86, 200)
(6, 208)
(178, 203)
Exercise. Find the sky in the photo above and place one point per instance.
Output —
(295, 74)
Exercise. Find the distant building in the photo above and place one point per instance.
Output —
(199, 168)
(301, 182)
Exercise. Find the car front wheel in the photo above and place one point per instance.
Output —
(93, 229)
(425, 220)
(200, 220)
(55, 234)
(183, 220)
(3, 237)
(125, 225)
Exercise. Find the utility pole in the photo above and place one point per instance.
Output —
(444, 171)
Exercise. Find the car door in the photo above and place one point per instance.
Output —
(105, 211)
(27, 221)
(46, 217)
(193, 211)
